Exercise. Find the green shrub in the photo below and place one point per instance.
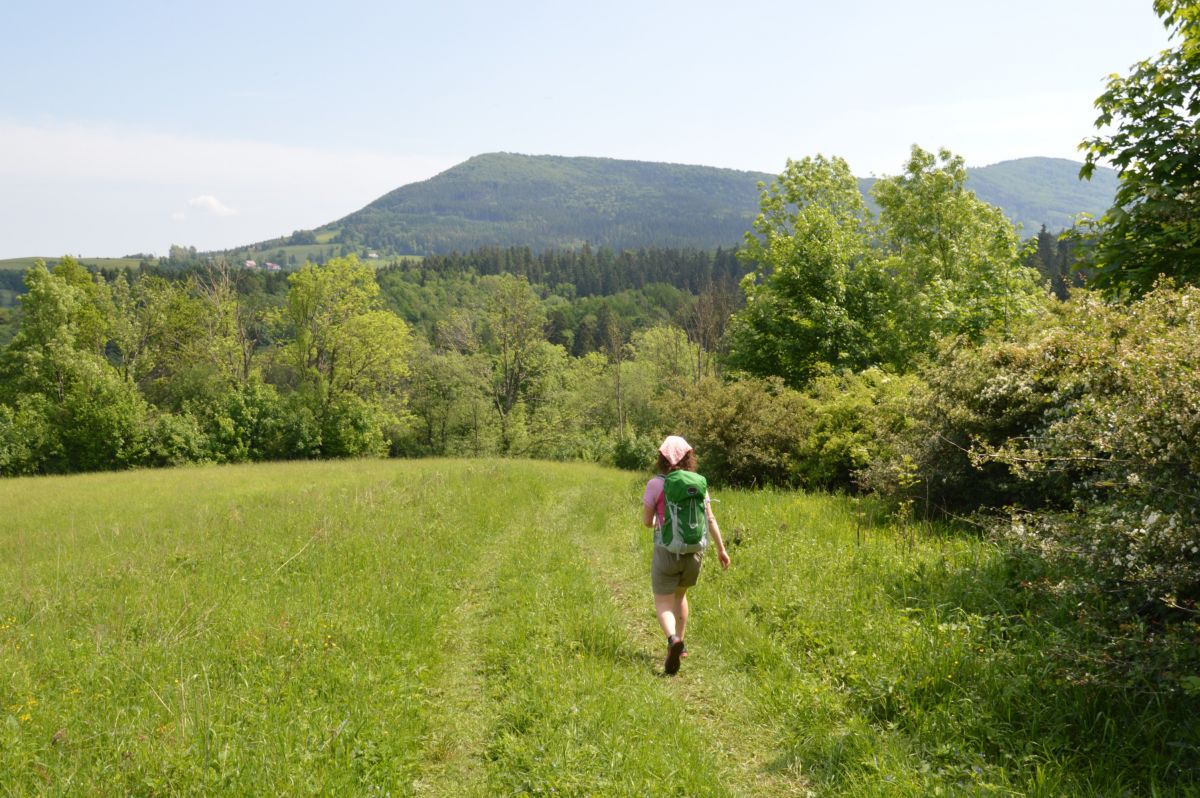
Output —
(28, 439)
(300, 432)
(1125, 432)
(244, 423)
(975, 399)
(354, 427)
(636, 452)
(760, 432)
(1087, 425)
(745, 432)
(174, 439)
(850, 419)
(101, 422)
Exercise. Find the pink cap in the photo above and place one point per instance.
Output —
(674, 448)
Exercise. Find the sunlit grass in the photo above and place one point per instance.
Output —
(484, 628)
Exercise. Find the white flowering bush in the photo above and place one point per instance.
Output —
(1084, 429)
(1077, 440)
(1124, 424)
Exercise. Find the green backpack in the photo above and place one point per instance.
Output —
(684, 521)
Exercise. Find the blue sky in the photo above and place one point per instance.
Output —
(128, 126)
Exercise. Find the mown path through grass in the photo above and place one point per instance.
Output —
(447, 628)
(575, 701)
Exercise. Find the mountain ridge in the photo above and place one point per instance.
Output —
(563, 202)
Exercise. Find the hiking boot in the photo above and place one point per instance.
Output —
(674, 650)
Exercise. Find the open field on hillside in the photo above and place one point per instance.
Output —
(293, 256)
(24, 264)
(485, 628)
(301, 253)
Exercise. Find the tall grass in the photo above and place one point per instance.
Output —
(485, 628)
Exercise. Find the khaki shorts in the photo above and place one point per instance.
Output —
(669, 572)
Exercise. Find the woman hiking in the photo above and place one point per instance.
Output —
(677, 505)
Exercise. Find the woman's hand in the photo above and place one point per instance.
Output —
(723, 556)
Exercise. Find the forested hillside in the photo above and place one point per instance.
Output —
(547, 202)
(551, 201)
(1043, 191)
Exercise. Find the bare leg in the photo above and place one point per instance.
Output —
(667, 607)
(681, 611)
(664, 605)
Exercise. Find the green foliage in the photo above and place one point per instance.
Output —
(81, 414)
(588, 271)
(28, 439)
(300, 431)
(1127, 437)
(10, 320)
(1089, 416)
(806, 299)
(954, 258)
(101, 422)
(511, 332)
(246, 422)
(347, 356)
(745, 432)
(1054, 258)
(355, 427)
(636, 453)
(970, 396)
(112, 374)
(760, 432)
(1153, 226)
(641, 289)
(175, 439)
(63, 310)
(96, 421)
(851, 418)
(835, 290)
(447, 399)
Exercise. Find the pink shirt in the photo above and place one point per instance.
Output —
(653, 498)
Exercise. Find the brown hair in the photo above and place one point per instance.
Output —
(687, 463)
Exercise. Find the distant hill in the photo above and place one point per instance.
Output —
(1037, 191)
(546, 201)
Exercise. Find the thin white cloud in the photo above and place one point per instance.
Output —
(103, 152)
(103, 190)
(211, 204)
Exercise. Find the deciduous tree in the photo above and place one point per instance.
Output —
(514, 325)
(954, 258)
(346, 350)
(811, 242)
(1153, 227)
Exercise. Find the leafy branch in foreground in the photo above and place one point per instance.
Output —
(1153, 227)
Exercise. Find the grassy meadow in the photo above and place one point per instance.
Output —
(450, 628)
